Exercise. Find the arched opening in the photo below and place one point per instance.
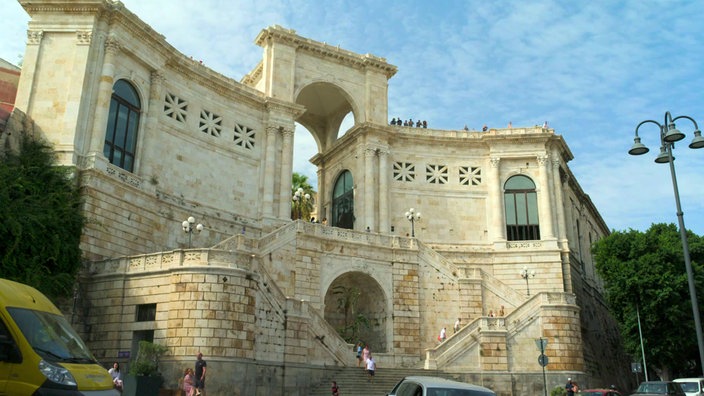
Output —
(327, 106)
(521, 204)
(355, 305)
(343, 201)
(123, 125)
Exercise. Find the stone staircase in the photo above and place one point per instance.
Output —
(354, 381)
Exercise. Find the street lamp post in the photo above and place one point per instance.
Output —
(299, 198)
(525, 274)
(668, 136)
(188, 228)
(413, 216)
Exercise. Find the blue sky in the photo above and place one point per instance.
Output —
(592, 69)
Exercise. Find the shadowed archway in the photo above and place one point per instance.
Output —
(355, 305)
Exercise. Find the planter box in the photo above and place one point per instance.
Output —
(138, 385)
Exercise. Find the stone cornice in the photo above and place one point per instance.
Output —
(254, 76)
(278, 106)
(69, 6)
(279, 34)
(210, 79)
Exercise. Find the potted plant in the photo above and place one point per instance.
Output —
(143, 377)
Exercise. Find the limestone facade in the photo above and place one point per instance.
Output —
(259, 294)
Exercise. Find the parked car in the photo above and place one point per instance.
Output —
(600, 392)
(692, 386)
(435, 386)
(659, 388)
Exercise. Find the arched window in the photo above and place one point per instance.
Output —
(521, 203)
(343, 201)
(123, 123)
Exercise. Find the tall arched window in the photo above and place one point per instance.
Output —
(521, 203)
(343, 201)
(123, 123)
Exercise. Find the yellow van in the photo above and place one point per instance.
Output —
(40, 353)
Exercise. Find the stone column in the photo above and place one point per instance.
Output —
(322, 193)
(102, 106)
(286, 173)
(369, 190)
(497, 221)
(384, 225)
(29, 74)
(560, 204)
(155, 99)
(269, 171)
(544, 212)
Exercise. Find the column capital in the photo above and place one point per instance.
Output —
(34, 37)
(112, 45)
(157, 81)
(543, 159)
(84, 37)
(495, 162)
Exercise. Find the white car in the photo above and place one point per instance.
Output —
(692, 386)
(435, 386)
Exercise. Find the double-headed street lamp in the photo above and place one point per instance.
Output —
(525, 274)
(188, 227)
(668, 136)
(412, 216)
(299, 198)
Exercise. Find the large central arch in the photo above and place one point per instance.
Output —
(326, 106)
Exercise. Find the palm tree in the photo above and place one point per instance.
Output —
(302, 197)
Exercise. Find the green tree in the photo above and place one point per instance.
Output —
(301, 207)
(645, 272)
(347, 300)
(42, 220)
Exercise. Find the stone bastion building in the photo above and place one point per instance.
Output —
(156, 137)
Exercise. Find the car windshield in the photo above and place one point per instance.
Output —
(689, 386)
(51, 336)
(454, 392)
(651, 388)
(595, 393)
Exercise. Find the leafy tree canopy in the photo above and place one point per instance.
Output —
(42, 220)
(646, 272)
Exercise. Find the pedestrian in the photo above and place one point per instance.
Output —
(569, 387)
(201, 366)
(491, 313)
(188, 380)
(458, 324)
(335, 389)
(116, 376)
(366, 353)
(371, 367)
(443, 335)
(358, 349)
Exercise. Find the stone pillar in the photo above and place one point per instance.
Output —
(286, 173)
(496, 200)
(384, 224)
(322, 193)
(370, 191)
(155, 98)
(102, 105)
(560, 204)
(544, 212)
(269, 171)
(25, 96)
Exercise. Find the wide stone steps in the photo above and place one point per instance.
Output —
(354, 381)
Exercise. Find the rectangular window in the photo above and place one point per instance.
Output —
(146, 312)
